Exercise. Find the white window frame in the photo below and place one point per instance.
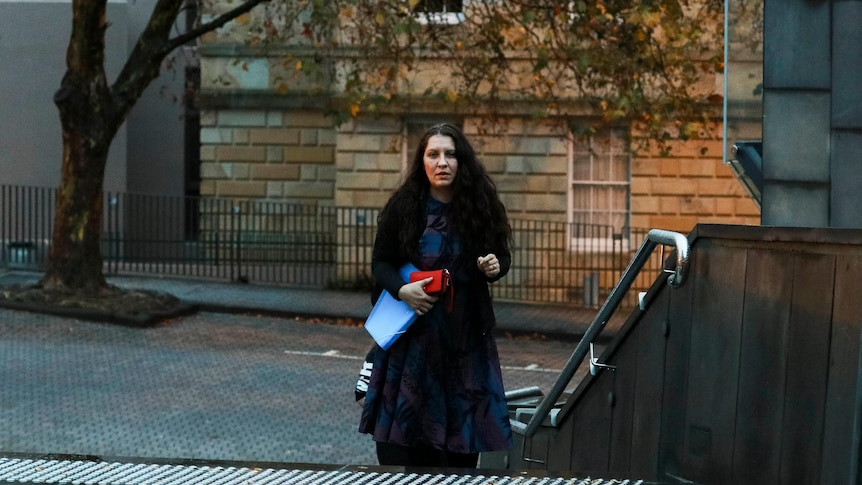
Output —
(597, 243)
(443, 17)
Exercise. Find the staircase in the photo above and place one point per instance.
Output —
(746, 373)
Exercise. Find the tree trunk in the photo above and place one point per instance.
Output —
(75, 257)
(91, 112)
(87, 117)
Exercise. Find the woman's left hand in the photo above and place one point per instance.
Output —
(489, 264)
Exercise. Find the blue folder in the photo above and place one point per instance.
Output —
(390, 317)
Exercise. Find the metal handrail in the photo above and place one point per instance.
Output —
(654, 238)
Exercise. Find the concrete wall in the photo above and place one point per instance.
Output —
(846, 114)
(529, 164)
(147, 153)
(812, 146)
(368, 162)
(156, 124)
(33, 40)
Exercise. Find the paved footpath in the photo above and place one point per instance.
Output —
(560, 322)
(217, 385)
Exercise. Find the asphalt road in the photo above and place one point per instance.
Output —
(209, 386)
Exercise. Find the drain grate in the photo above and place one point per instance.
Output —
(14, 470)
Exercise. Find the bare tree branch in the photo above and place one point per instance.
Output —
(219, 21)
(153, 45)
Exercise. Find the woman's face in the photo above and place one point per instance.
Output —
(441, 166)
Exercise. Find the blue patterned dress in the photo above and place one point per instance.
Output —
(440, 384)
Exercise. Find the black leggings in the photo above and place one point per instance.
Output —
(390, 454)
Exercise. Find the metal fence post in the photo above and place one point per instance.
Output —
(291, 243)
(236, 259)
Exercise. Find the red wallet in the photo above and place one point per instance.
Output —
(442, 282)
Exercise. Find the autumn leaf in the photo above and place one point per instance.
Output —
(690, 130)
(625, 58)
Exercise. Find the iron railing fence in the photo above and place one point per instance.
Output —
(282, 243)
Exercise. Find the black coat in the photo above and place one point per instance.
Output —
(387, 257)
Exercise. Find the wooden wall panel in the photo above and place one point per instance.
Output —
(763, 357)
(560, 450)
(515, 455)
(624, 397)
(532, 454)
(649, 389)
(841, 384)
(592, 427)
(674, 416)
(537, 449)
(714, 365)
(807, 364)
(752, 380)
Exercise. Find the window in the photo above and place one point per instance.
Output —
(599, 189)
(445, 12)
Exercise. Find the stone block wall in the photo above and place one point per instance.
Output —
(529, 164)
(689, 185)
(300, 157)
(268, 154)
(368, 162)
(271, 175)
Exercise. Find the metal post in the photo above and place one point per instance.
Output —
(237, 246)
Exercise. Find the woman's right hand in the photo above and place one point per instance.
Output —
(413, 294)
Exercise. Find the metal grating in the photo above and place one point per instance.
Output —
(14, 470)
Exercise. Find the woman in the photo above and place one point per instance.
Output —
(435, 397)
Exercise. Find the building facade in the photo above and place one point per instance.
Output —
(300, 156)
(263, 136)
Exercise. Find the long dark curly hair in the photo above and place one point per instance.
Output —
(475, 210)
